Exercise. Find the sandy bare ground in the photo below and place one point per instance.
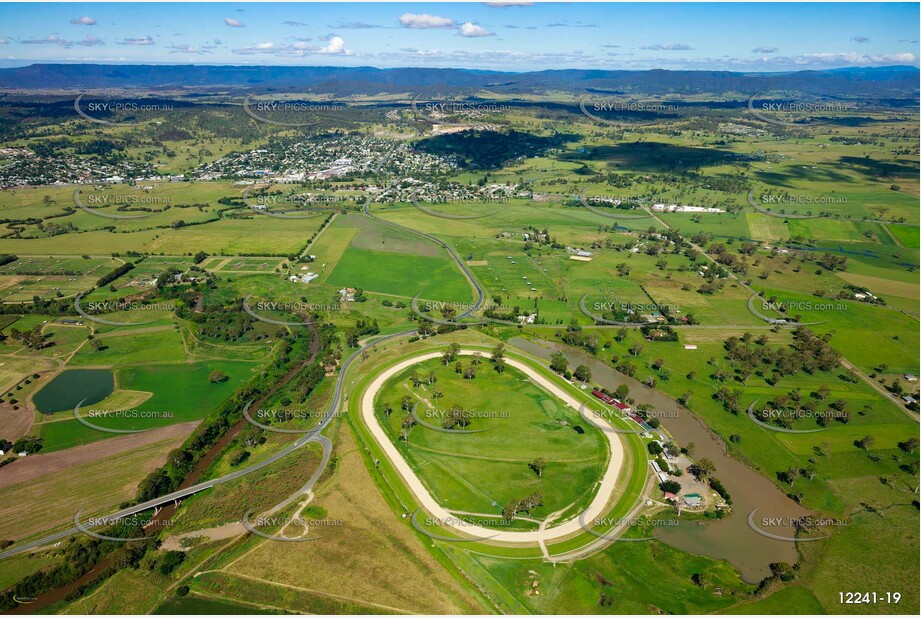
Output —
(606, 487)
(34, 466)
(227, 531)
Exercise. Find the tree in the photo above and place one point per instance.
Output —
(636, 349)
(909, 445)
(498, 353)
(448, 356)
(583, 373)
(783, 571)
(704, 467)
(500, 365)
(475, 359)
(654, 448)
(510, 510)
(538, 465)
(216, 376)
(792, 474)
(558, 362)
(866, 442)
(670, 487)
(622, 391)
(406, 403)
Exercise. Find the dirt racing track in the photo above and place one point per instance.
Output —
(607, 487)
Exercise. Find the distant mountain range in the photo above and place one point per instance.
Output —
(881, 82)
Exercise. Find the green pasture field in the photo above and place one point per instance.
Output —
(907, 235)
(844, 202)
(856, 333)
(849, 559)
(621, 572)
(790, 600)
(243, 264)
(181, 390)
(721, 225)
(46, 265)
(50, 277)
(253, 235)
(157, 264)
(482, 472)
(197, 604)
(401, 274)
(567, 221)
(141, 345)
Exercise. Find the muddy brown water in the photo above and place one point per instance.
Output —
(730, 538)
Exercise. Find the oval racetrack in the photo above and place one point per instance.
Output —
(596, 509)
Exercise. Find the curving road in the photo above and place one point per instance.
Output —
(311, 436)
(599, 505)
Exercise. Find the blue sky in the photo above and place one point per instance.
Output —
(483, 35)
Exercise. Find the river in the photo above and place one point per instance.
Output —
(730, 538)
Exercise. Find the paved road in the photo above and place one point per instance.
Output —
(597, 508)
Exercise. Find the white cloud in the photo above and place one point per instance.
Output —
(187, 49)
(855, 59)
(4, 42)
(298, 49)
(54, 39)
(764, 50)
(336, 46)
(470, 29)
(234, 23)
(424, 20)
(355, 25)
(83, 21)
(510, 3)
(574, 24)
(859, 38)
(667, 46)
(91, 41)
(139, 40)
